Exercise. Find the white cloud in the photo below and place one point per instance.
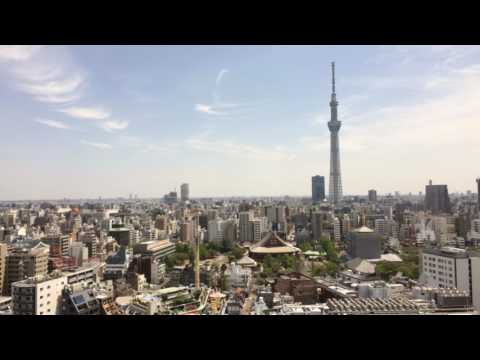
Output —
(46, 73)
(207, 109)
(91, 113)
(18, 52)
(112, 125)
(53, 123)
(97, 145)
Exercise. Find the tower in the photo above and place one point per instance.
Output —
(335, 186)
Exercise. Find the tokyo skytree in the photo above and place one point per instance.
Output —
(335, 185)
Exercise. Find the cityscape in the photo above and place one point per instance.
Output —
(73, 242)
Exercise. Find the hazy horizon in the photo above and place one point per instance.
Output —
(234, 121)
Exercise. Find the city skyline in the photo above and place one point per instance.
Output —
(90, 121)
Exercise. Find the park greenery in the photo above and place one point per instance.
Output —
(273, 265)
(408, 267)
(186, 252)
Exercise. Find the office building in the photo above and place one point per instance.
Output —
(117, 265)
(171, 198)
(364, 243)
(215, 231)
(24, 263)
(186, 231)
(478, 194)
(318, 188)
(337, 230)
(184, 192)
(230, 231)
(255, 228)
(244, 220)
(335, 185)
(317, 228)
(436, 198)
(149, 259)
(372, 195)
(449, 267)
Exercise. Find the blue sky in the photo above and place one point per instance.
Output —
(89, 121)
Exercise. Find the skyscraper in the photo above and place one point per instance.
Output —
(478, 194)
(318, 188)
(184, 192)
(372, 195)
(335, 186)
(436, 198)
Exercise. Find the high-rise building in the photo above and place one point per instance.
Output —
(215, 231)
(212, 214)
(254, 230)
(436, 198)
(184, 192)
(186, 231)
(478, 194)
(337, 230)
(335, 185)
(372, 195)
(318, 188)
(244, 219)
(317, 228)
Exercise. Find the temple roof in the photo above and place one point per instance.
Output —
(364, 229)
(273, 244)
(246, 261)
(361, 266)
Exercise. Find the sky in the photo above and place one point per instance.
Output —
(90, 121)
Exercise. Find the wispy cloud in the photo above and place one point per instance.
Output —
(143, 145)
(100, 115)
(101, 146)
(89, 113)
(46, 73)
(220, 75)
(112, 125)
(53, 123)
(208, 109)
(18, 52)
(247, 151)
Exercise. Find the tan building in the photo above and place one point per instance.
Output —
(24, 263)
(3, 256)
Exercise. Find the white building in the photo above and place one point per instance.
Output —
(425, 233)
(337, 234)
(238, 276)
(38, 296)
(216, 230)
(452, 268)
